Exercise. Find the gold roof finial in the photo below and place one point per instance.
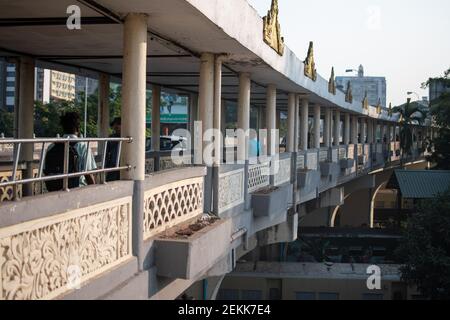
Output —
(332, 83)
(379, 106)
(348, 93)
(310, 65)
(272, 31)
(365, 102)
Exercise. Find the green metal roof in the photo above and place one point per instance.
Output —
(420, 184)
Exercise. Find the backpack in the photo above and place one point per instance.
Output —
(54, 165)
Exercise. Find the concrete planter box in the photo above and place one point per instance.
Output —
(329, 169)
(191, 257)
(271, 203)
(347, 163)
(308, 179)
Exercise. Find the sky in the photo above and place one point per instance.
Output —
(406, 41)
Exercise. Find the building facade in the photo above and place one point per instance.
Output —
(54, 85)
(438, 87)
(7, 85)
(374, 86)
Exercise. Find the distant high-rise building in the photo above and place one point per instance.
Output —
(80, 85)
(51, 85)
(437, 87)
(7, 85)
(374, 86)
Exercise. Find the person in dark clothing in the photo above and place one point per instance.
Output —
(112, 149)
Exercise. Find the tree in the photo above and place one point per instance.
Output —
(425, 248)
(6, 123)
(410, 113)
(440, 109)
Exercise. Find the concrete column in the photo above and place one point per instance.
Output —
(370, 135)
(317, 126)
(290, 143)
(134, 85)
(193, 112)
(134, 93)
(26, 117)
(297, 124)
(243, 114)
(206, 95)
(217, 115)
(355, 130)
(304, 123)
(337, 128)
(223, 117)
(156, 117)
(103, 106)
(363, 130)
(327, 128)
(271, 120)
(347, 129)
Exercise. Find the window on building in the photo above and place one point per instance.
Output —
(305, 296)
(228, 294)
(251, 294)
(372, 296)
(274, 294)
(328, 296)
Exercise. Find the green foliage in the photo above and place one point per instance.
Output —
(410, 113)
(440, 109)
(6, 123)
(425, 248)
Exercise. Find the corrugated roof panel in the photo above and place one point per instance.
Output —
(420, 184)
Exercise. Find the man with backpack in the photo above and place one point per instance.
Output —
(80, 156)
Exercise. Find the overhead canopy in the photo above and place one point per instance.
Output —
(178, 32)
(420, 184)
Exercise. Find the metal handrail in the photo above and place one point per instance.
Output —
(17, 143)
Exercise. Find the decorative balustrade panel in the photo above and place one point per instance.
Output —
(301, 161)
(311, 161)
(282, 172)
(351, 151)
(149, 166)
(171, 204)
(342, 153)
(334, 155)
(7, 193)
(323, 155)
(359, 149)
(44, 258)
(366, 153)
(379, 148)
(231, 189)
(258, 176)
(166, 163)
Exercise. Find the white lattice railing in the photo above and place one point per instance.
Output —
(168, 205)
(258, 176)
(44, 258)
(282, 171)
